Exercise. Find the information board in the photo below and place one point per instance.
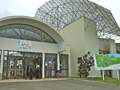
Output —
(107, 61)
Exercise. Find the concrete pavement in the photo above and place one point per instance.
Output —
(57, 84)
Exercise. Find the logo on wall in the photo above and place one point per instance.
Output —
(24, 45)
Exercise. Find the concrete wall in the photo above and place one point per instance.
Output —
(112, 50)
(103, 45)
(75, 35)
(12, 44)
(91, 43)
(112, 46)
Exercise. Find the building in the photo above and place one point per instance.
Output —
(59, 33)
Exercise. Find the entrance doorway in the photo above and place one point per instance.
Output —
(16, 64)
(15, 67)
(50, 65)
(36, 61)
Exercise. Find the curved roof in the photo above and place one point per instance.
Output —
(30, 25)
(29, 28)
(60, 13)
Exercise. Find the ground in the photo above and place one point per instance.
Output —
(56, 84)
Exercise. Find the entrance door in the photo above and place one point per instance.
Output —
(15, 67)
(35, 61)
(50, 65)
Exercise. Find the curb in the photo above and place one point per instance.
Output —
(23, 80)
(94, 81)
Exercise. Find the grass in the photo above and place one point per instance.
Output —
(98, 79)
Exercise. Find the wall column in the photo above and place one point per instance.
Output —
(43, 65)
(112, 50)
(58, 61)
(1, 66)
(69, 65)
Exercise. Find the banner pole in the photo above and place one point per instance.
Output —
(118, 74)
(103, 75)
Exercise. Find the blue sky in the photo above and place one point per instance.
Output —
(116, 55)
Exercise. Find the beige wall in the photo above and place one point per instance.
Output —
(91, 43)
(112, 46)
(112, 50)
(12, 44)
(103, 45)
(75, 36)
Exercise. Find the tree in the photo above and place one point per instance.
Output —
(85, 63)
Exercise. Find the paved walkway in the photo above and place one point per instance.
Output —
(55, 84)
(27, 80)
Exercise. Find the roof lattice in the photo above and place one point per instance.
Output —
(60, 13)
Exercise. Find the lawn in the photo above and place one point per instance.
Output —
(107, 80)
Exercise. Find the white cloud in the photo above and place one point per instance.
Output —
(30, 3)
(4, 11)
(29, 7)
(25, 3)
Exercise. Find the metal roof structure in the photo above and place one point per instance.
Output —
(60, 13)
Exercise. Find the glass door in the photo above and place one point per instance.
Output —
(15, 67)
(50, 65)
(36, 61)
(64, 65)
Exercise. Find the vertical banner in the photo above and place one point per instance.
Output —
(24, 45)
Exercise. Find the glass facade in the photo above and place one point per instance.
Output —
(50, 65)
(4, 66)
(11, 63)
(16, 64)
(25, 32)
(37, 60)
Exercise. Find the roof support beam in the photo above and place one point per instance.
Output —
(15, 32)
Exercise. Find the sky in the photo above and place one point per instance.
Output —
(29, 7)
(116, 55)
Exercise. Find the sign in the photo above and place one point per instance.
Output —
(24, 45)
(19, 61)
(107, 61)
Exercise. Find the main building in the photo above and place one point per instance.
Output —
(60, 32)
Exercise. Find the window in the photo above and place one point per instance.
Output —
(25, 32)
